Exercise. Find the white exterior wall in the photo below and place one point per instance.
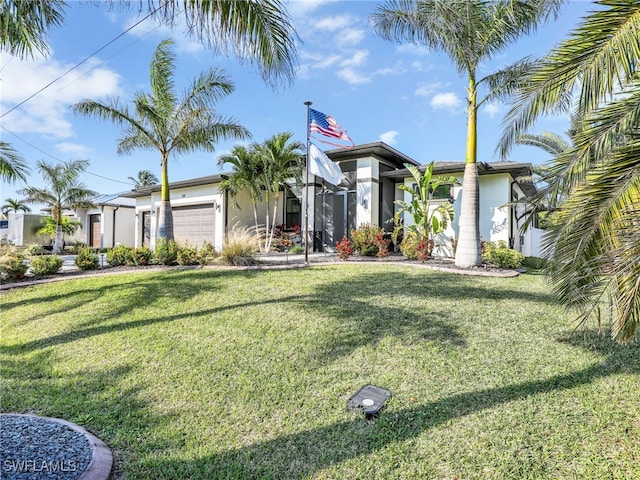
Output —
(367, 191)
(22, 229)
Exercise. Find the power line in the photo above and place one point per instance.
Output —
(57, 159)
(86, 59)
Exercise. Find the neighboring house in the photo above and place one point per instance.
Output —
(21, 229)
(201, 212)
(109, 222)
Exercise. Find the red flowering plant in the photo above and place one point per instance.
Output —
(382, 243)
(345, 248)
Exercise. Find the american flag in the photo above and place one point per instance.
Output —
(326, 125)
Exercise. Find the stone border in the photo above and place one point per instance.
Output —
(101, 462)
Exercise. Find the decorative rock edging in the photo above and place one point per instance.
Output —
(98, 468)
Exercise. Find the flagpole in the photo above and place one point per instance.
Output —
(306, 188)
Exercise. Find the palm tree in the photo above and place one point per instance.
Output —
(12, 165)
(263, 170)
(470, 32)
(25, 24)
(595, 245)
(65, 191)
(259, 31)
(281, 162)
(162, 122)
(244, 178)
(49, 227)
(145, 179)
(14, 205)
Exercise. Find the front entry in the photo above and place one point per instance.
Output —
(94, 231)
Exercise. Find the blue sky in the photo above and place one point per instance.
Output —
(404, 95)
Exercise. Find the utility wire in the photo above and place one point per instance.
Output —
(81, 62)
(57, 159)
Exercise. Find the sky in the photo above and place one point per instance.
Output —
(409, 97)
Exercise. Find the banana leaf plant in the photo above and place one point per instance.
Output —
(430, 216)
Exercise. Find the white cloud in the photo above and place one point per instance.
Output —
(179, 34)
(412, 49)
(350, 37)
(74, 149)
(389, 137)
(493, 109)
(425, 89)
(302, 8)
(331, 24)
(47, 112)
(446, 101)
(352, 77)
(358, 59)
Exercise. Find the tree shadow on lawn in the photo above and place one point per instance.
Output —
(92, 398)
(301, 455)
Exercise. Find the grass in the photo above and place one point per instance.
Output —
(210, 374)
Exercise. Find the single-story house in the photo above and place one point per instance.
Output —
(203, 212)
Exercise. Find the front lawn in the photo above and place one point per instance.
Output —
(212, 374)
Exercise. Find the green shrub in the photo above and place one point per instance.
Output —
(409, 246)
(87, 259)
(499, 255)
(239, 248)
(74, 248)
(535, 263)
(35, 249)
(188, 256)
(117, 256)
(296, 250)
(140, 256)
(46, 265)
(207, 253)
(364, 239)
(12, 266)
(166, 252)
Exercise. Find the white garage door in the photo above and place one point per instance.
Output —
(194, 224)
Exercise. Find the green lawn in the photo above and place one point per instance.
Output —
(207, 374)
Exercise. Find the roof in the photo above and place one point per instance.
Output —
(520, 172)
(379, 150)
(192, 182)
(114, 200)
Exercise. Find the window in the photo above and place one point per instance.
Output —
(292, 211)
(443, 192)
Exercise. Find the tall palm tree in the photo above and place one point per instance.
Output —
(64, 191)
(14, 205)
(259, 31)
(12, 165)
(145, 178)
(281, 162)
(243, 178)
(470, 32)
(595, 245)
(161, 121)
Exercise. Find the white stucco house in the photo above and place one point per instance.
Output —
(373, 171)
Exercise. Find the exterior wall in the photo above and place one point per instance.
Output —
(22, 229)
(124, 226)
(368, 191)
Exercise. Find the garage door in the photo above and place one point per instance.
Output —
(194, 224)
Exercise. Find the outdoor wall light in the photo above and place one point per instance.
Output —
(364, 203)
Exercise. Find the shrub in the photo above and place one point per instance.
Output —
(139, 256)
(12, 266)
(424, 249)
(74, 248)
(499, 255)
(364, 239)
(187, 256)
(296, 250)
(117, 256)
(239, 248)
(166, 252)
(46, 265)
(345, 248)
(207, 253)
(535, 263)
(87, 259)
(35, 249)
(409, 245)
(382, 243)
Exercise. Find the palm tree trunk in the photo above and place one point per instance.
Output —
(468, 253)
(165, 214)
(58, 241)
(255, 221)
